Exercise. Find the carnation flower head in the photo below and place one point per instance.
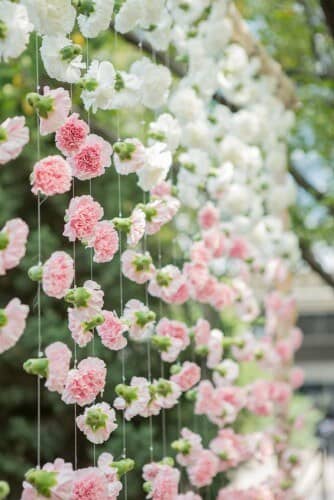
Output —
(71, 136)
(58, 356)
(81, 217)
(168, 284)
(53, 108)
(13, 239)
(58, 274)
(51, 175)
(129, 156)
(14, 135)
(84, 383)
(137, 267)
(54, 480)
(134, 398)
(12, 323)
(155, 82)
(203, 470)
(104, 241)
(91, 160)
(15, 29)
(97, 422)
(186, 376)
(51, 17)
(139, 320)
(89, 483)
(95, 19)
(111, 331)
(62, 58)
(99, 86)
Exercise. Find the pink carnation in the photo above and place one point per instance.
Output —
(170, 285)
(111, 331)
(177, 332)
(89, 484)
(64, 481)
(58, 274)
(105, 241)
(215, 348)
(165, 484)
(71, 135)
(81, 217)
(78, 320)
(188, 376)
(137, 228)
(138, 403)
(297, 377)
(190, 495)
(13, 239)
(239, 248)
(137, 266)
(159, 212)
(202, 331)
(162, 190)
(130, 161)
(61, 105)
(204, 469)
(59, 357)
(92, 159)
(84, 383)
(51, 176)
(139, 320)
(259, 398)
(97, 422)
(14, 135)
(189, 446)
(12, 323)
(231, 448)
(208, 216)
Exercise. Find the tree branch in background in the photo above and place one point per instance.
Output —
(328, 9)
(309, 257)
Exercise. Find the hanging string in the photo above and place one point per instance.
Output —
(121, 292)
(39, 251)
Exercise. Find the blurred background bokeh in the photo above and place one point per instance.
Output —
(299, 35)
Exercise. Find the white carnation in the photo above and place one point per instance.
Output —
(127, 17)
(56, 64)
(51, 17)
(155, 82)
(166, 129)
(186, 105)
(102, 75)
(99, 20)
(158, 163)
(15, 29)
(127, 91)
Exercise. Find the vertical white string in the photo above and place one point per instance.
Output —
(121, 293)
(74, 343)
(39, 251)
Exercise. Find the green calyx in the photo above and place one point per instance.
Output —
(96, 419)
(4, 240)
(223, 455)
(163, 279)
(117, 6)
(42, 104)
(142, 262)
(202, 350)
(147, 487)
(157, 136)
(191, 395)
(84, 7)
(42, 481)
(3, 134)
(119, 82)
(89, 84)
(163, 387)
(122, 224)
(93, 323)
(3, 318)
(35, 273)
(79, 297)
(127, 392)
(175, 369)
(144, 317)
(37, 366)
(124, 150)
(123, 466)
(182, 446)
(221, 370)
(161, 343)
(3, 30)
(70, 52)
(189, 166)
(4, 490)
(149, 211)
(167, 461)
(230, 341)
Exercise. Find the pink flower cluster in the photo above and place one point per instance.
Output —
(13, 239)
